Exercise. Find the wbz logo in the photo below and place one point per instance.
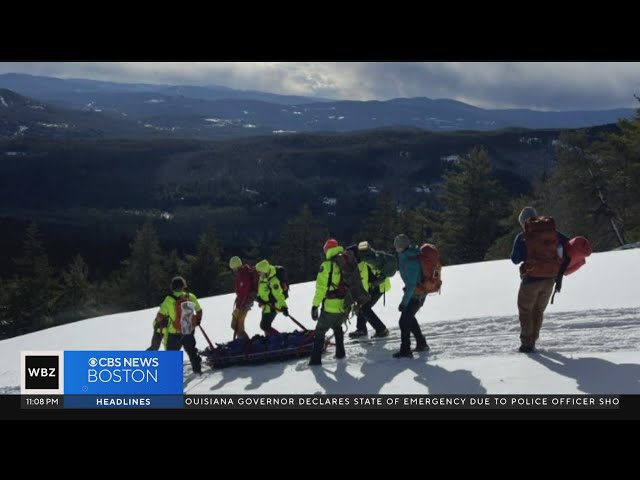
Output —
(42, 372)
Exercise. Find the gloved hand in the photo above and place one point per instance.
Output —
(198, 319)
(401, 308)
(314, 313)
(161, 324)
(285, 311)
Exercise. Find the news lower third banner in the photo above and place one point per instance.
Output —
(102, 379)
(312, 402)
(154, 380)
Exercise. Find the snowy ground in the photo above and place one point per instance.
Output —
(590, 341)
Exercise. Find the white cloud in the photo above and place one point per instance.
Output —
(540, 85)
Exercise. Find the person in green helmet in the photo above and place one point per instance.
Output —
(271, 296)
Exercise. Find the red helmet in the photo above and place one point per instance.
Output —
(332, 242)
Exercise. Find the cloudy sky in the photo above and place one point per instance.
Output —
(544, 86)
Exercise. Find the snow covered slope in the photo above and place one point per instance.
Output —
(590, 341)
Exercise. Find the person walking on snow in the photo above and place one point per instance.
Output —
(411, 273)
(246, 288)
(376, 284)
(179, 314)
(328, 295)
(540, 249)
(270, 296)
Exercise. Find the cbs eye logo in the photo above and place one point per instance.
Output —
(93, 362)
(42, 372)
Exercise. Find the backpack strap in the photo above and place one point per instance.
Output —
(560, 276)
(333, 294)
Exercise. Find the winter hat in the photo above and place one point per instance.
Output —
(401, 242)
(263, 266)
(526, 214)
(178, 284)
(234, 263)
(331, 243)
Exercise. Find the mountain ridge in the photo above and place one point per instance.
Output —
(222, 112)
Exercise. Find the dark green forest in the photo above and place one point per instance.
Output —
(93, 227)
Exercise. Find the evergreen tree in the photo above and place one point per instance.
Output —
(207, 273)
(175, 265)
(145, 280)
(501, 248)
(619, 154)
(420, 224)
(474, 203)
(5, 319)
(109, 294)
(300, 246)
(31, 303)
(382, 225)
(579, 191)
(252, 254)
(77, 287)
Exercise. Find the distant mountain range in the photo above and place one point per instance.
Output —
(110, 109)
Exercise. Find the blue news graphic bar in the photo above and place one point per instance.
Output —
(98, 372)
(123, 401)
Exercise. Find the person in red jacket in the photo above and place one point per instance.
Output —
(246, 287)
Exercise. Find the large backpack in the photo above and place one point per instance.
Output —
(541, 240)
(185, 310)
(350, 287)
(281, 273)
(384, 262)
(429, 259)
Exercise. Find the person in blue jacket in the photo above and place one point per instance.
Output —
(411, 273)
(536, 288)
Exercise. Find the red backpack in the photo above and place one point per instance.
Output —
(541, 240)
(431, 270)
(245, 285)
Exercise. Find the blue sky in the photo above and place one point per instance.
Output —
(537, 85)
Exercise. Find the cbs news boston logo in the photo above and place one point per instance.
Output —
(101, 372)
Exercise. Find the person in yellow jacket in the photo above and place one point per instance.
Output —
(179, 314)
(270, 296)
(330, 295)
(376, 284)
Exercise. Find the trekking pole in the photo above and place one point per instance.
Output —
(298, 323)
(205, 336)
(235, 330)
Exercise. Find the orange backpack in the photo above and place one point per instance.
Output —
(541, 240)
(431, 270)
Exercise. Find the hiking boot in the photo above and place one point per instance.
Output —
(402, 354)
(313, 362)
(423, 347)
(525, 349)
(340, 355)
(358, 334)
(382, 333)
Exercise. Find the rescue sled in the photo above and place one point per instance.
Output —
(260, 349)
